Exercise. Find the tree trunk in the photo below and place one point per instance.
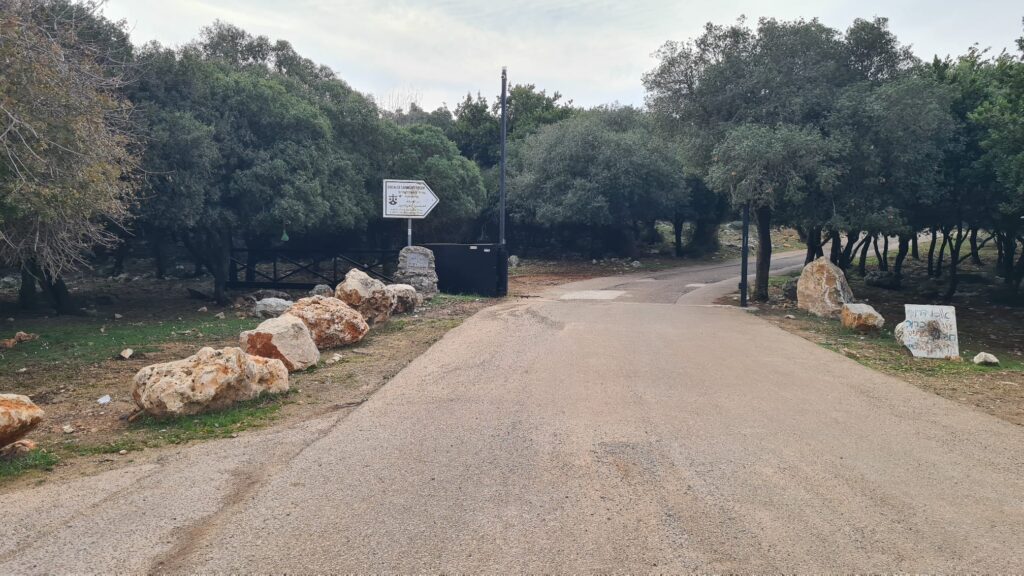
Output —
(159, 254)
(764, 253)
(835, 247)
(942, 253)
(1009, 255)
(885, 252)
(999, 250)
(862, 266)
(813, 240)
(219, 263)
(852, 238)
(1019, 271)
(705, 237)
(883, 263)
(913, 247)
(975, 254)
(55, 289)
(901, 255)
(931, 254)
(677, 234)
(119, 255)
(198, 259)
(954, 261)
(27, 292)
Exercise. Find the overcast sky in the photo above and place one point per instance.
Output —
(592, 51)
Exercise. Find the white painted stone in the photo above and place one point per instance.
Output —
(986, 359)
(929, 331)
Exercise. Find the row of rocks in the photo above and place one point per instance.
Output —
(289, 340)
(823, 291)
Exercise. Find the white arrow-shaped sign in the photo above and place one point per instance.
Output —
(408, 199)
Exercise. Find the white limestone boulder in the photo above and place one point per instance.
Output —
(986, 359)
(322, 290)
(861, 317)
(331, 322)
(286, 338)
(822, 289)
(404, 297)
(208, 380)
(366, 295)
(271, 307)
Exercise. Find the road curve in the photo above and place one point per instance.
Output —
(609, 426)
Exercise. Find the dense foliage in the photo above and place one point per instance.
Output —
(236, 141)
(65, 158)
(248, 141)
(849, 137)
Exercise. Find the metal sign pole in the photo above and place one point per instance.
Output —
(409, 234)
(745, 255)
(504, 130)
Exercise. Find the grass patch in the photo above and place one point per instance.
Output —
(77, 341)
(881, 351)
(128, 444)
(443, 299)
(35, 460)
(781, 281)
(221, 424)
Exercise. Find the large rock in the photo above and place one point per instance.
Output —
(331, 322)
(286, 338)
(822, 288)
(208, 380)
(272, 307)
(861, 317)
(266, 293)
(404, 297)
(18, 416)
(929, 331)
(986, 359)
(321, 290)
(366, 295)
(416, 268)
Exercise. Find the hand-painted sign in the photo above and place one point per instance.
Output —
(930, 331)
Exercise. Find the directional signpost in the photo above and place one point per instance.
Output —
(409, 199)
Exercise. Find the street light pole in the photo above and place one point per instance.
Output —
(504, 129)
(745, 255)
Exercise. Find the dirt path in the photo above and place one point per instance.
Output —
(599, 428)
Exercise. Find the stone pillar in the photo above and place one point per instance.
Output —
(416, 268)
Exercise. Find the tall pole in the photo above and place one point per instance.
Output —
(408, 237)
(744, 256)
(504, 130)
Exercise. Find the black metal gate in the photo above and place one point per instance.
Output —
(302, 269)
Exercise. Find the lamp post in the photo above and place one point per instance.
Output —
(504, 131)
(745, 255)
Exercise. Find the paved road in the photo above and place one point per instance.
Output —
(609, 426)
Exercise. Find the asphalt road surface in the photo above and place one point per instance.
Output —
(615, 425)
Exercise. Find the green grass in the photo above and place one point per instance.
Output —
(35, 460)
(78, 341)
(443, 299)
(221, 424)
(886, 353)
(780, 281)
(149, 432)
